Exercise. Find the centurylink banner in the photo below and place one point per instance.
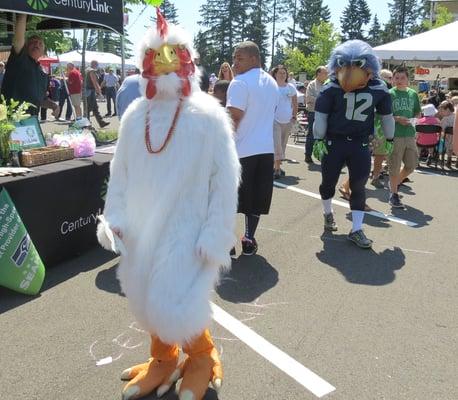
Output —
(78, 13)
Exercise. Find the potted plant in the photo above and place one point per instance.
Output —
(9, 115)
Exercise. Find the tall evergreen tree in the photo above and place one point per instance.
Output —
(256, 29)
(374, 36)
(279, 55)
(354, 17)
(169, 11)
(279, 10)
(308, 14)
(403, 19)
(226, 23)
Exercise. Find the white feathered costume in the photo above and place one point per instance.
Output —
(175, 209)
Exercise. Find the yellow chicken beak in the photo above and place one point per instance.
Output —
(166, 60)
(352, 78)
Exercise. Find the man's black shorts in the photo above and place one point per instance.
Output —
(255, 191)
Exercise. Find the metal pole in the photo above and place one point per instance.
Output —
(294, 23)
(272, 54)
(123, 58)
(83, 72)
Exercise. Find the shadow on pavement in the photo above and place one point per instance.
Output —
(288, 180)
(107, 280)
(412, 214)
(371, 220)
(55, 275)
(248, 278)
(359, 266)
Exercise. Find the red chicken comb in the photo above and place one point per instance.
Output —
(161, 24)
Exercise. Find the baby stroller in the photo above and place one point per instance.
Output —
(428, 137)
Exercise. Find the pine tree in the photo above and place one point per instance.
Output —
(279, 56)
(403, 19)
(169, 11)
(256, 30)
(279, 11)
(226, 23)
(354, 17)
(374, 36)
(308, 13)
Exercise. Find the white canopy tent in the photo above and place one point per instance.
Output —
(104, 59)
(437, 46)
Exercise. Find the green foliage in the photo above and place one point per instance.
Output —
(256, 29)
(295, 60)
(10, 113)
(324, 39)
(154, 3)
(108, 42)
(224, 25)
(279, 56)
(403, 20)
(442, 17)
(56, 41)
(306, 14)
(107, 136)
(374, 36)
(354, 17)
(169, 11)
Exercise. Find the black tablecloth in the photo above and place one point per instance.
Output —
(59, 203)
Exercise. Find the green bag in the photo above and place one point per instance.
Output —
(21, 268)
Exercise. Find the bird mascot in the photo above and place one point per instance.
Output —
(344, 126)
(170, 210)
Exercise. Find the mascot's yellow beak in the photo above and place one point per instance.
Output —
(166, 60)
(352, 78)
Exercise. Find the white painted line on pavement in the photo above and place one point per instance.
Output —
(296, 146)
(382, 245)
(374, 213)
(311, 381)
(272, 230)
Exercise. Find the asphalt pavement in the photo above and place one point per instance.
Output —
(369, 324)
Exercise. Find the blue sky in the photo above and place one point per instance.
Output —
(188, 13)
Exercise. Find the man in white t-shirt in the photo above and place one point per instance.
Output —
(251, 100)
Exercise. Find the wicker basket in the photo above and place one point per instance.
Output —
(45, 155)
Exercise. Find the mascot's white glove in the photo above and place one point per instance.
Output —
(211, 252)
(110, 237)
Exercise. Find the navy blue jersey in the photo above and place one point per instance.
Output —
(352, 113)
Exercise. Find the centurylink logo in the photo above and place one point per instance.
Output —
(89, 6)
(38, 5)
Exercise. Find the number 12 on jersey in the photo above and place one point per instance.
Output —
(356, 105)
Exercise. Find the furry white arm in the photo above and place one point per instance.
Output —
(388, 125)
(320, 125)
(217, 234)
(115, 200)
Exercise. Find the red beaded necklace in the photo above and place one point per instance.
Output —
(169, 134)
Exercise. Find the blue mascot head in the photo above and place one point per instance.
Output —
(353, 63)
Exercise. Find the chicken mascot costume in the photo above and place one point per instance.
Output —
(344, 126)
(171, 204)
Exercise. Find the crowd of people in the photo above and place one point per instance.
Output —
(263, 108)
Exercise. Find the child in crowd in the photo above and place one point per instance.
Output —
(447, 113)
(428, 140)
(220, 91)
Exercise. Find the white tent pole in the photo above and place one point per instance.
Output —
(83, 72)
(123, 56)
